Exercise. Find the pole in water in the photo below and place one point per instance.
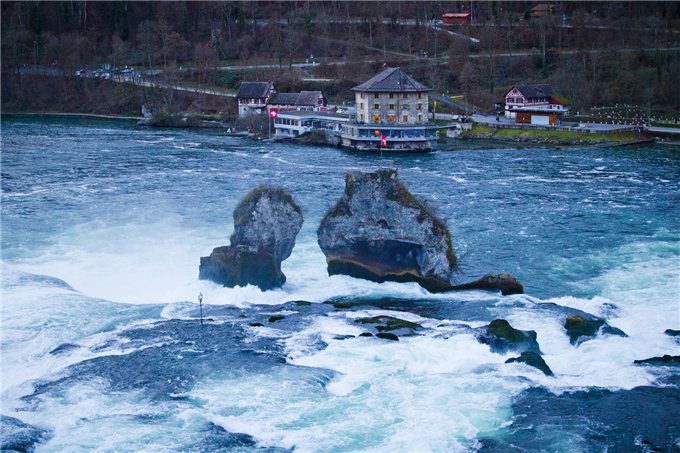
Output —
(200, 303)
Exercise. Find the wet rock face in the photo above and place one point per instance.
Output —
(16, 435)
(534, 360)
(502, 337)
(669, 360)
(379, 231)
(581, 329)
(266, 223)
(505, 283)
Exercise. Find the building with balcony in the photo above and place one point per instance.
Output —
(391, 113)
(535, 104)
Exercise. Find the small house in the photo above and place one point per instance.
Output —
(535, 104)
(310, 101)
(252, 97)
(456, 18)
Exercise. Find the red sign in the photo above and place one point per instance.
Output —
(383, 141)
(273, 114)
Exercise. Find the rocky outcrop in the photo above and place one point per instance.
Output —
(390, 323)
(379, 231)
(502, 337)
(505, 283)
(534, 360)
(672, 333)
(581, 329)
(266, 223)
(387, 336)
(666, 360)
(16, 435)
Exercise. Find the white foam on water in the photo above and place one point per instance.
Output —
(85, 418)
(383, 392)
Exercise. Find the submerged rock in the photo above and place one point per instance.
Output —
(387, 336)
(665, 360)
(63, 348)
(534, 360)
(505, 283)
(275, 318)
(581, 329)
(379, 231)
(16, 435)
(388, 323)
(502, 337)
(266, 223)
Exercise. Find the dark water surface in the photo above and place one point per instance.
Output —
(103, 224)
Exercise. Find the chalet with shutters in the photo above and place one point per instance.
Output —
(253, 97)
(391, 113)
(306, 101)
(535, 104)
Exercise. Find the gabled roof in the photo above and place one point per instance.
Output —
(392, 80)
(284, 98)
(301, 98)
(543, 7)
(254, 89)
(534, 91)
(309, 97)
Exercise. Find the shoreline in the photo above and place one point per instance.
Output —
(86, 115)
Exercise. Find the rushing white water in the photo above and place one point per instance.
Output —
(105, 260)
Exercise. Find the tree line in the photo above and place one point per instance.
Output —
(594, 52)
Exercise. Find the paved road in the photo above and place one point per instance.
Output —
(665, 130)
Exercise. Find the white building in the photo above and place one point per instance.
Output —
(539, 99)
(296, 123)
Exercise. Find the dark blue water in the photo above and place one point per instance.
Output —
(103, 224)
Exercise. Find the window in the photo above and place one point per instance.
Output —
(391, 118)
(420, 117)
(391, 106)
(362, 95)
(420, 95)
(404, 107)
(361, 105)
(376, 106)
(404, 118)
(376, 95)
(419, 107)
(376, 118)
(361, 117)
(405, 95)
(391, 95)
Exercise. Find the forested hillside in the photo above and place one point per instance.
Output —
(595, 53)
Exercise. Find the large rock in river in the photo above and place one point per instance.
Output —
(505, 283)
(266, 223)
(379, 231)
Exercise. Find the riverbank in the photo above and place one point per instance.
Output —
(66, 114)
(552, 137)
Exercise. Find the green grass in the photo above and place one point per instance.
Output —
(556, 136)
